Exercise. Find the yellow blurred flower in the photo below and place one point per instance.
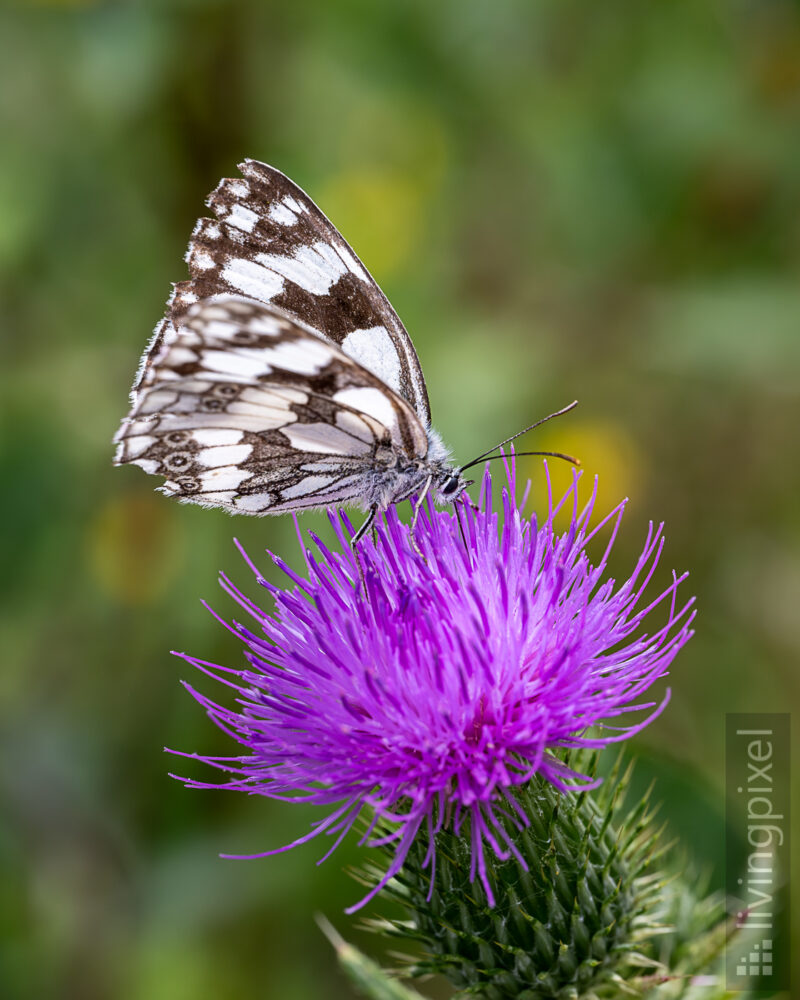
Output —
(381, 205)
(605, 449)
(380, 212)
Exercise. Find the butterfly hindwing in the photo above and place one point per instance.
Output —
(270, 242)
(243, 407)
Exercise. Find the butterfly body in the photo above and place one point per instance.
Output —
(395, 478)
(280, 378)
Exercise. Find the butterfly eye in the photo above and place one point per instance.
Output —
(450, 486)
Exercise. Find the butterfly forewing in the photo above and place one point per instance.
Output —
(270, 242)
(242, 406)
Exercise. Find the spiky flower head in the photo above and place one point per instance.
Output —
(421, 684)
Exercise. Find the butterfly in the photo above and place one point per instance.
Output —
(280, 378)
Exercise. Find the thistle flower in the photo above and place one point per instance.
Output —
(421, 688)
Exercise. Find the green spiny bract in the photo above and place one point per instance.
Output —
(571, 927)
(696, 931)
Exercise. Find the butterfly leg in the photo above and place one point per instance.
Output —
(457, 509)
(419, 503)
(415, 518)
(361, 578)
(364, 527)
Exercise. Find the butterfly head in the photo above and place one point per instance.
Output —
(445, 479)
(451, 485)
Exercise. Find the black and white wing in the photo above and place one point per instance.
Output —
(270, 242)
(246, 408)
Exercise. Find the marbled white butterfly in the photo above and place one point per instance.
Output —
(280, 378)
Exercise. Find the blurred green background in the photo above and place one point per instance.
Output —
(561, 199)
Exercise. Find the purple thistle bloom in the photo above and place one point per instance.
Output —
(427, 689)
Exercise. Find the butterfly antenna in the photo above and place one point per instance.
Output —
(530, 427)
(520, 454)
